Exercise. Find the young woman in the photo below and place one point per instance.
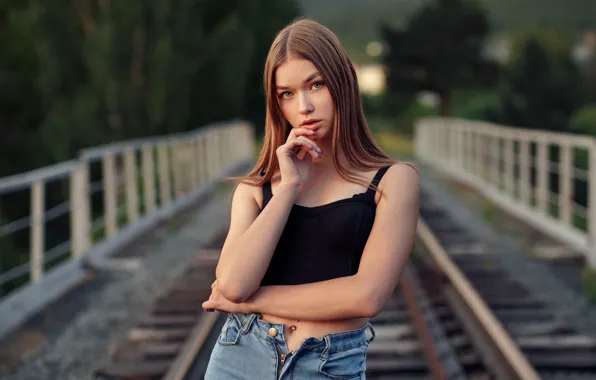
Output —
(320, 229)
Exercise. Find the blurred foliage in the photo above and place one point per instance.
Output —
(391, 137)
(589, 283)
(584, 120)
(81, 73)
(588, 70)
(568, 16)
(439, 50)
(395, 111)
(541, 86)
(479, 104)
(356, 21)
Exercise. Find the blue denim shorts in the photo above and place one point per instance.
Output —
(249, 348)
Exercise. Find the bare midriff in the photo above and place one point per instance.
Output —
(296, 331)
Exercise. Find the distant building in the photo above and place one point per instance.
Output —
(585, 51)
(372, 78)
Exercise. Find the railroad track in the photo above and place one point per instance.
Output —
(167, 343)
(553, 348)
(455, 315)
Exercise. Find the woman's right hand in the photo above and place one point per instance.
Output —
(293, 170)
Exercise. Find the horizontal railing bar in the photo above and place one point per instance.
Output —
(96, 186)
(57, 251)
(46, 174)
(518, 133)
(25, 222)
(56, 211)
(193, 165)
(15, 226)
(24, 269)
(15, 272)
(98, 152)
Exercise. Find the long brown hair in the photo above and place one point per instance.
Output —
(310, 40)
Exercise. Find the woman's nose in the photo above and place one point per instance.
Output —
(306, 106)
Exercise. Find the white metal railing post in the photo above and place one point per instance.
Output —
(126, 169)
(174, 149)
(476, 152)
(524, 170)
(495, 159)
(213, 153)
(164, 175)
(202, 158)
(148, 168)
(509, 164)
(591, 256)
(37, 230)
(542, 168)
(77, 204)
(460, 147)
(192, 174)
(86, 211)
(468, 139)
(110, 195)
(132, 194)
(565, 182)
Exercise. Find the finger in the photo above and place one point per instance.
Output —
(301, 153)
(307, 145)
(312, 145)
(301, 131)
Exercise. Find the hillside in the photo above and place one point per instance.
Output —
(355, 21)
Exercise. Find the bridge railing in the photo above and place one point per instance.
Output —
(137, 184)
(547, 179)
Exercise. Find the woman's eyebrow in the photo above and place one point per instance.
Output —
(308, 79)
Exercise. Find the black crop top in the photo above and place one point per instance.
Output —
(322, 242)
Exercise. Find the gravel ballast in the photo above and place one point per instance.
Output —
(81, 330)
(541, 278)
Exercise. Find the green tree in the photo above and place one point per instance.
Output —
(78, 73)
(583, 120)
(440, 49)
(541, 83)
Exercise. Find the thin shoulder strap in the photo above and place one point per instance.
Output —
(267, 194)
(375, 181)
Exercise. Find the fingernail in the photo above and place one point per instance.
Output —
(319, 150)
(314, 132)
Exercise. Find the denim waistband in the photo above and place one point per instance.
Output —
(330, 343)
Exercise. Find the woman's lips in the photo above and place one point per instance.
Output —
(311, 124)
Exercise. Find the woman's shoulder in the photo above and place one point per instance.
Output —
(257, 191)
(400, 178)
(249, 191)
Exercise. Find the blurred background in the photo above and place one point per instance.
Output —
(84, 73)
(76, 74)
(81, 73)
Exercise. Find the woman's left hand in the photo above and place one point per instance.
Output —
(218, 302)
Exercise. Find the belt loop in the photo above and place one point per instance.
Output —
(247, 323)
(325, 354)
(372, 332)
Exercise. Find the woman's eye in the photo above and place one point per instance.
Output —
(286, 94)
(317, 85)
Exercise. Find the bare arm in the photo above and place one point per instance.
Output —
(253, 236)
(251, 240)
(385, 255)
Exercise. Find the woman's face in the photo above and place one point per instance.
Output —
(303, 96)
